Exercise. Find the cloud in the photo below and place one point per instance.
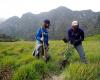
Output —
(18, 7)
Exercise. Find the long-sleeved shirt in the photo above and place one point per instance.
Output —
(75, 37)
(42, 32)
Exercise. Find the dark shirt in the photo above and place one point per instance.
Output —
(75, 37)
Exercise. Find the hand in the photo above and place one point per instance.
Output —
(42, 39)
(73, 42)
(69, 42)
(65, 40)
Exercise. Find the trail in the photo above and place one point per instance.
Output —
(60, 77)
(56, 77)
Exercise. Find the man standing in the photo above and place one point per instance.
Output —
(42, 40)
(75, 37)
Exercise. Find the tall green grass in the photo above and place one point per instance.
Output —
(33, 71)
(18, 56)
(79, 71)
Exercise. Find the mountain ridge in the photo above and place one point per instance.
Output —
(60, 18)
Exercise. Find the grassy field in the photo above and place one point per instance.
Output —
(17, 62)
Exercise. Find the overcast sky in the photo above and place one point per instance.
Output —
(10, 8)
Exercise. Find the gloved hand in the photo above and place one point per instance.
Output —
(65, 40)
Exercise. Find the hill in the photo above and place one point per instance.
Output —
(60, 18)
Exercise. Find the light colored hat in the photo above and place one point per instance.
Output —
(74, 23)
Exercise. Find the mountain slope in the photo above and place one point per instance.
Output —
(60, 18)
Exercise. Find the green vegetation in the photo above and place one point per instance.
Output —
(82, 72)
(17, 62)
(94, 38)
(5, 38)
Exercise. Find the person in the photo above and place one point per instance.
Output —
(75, 37)
(42, 40)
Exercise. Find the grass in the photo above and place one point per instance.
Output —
(18, 56)
(33, 71)
(79, 71)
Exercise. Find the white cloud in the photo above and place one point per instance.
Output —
(18, 7)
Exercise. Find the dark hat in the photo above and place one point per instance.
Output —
(47, 21)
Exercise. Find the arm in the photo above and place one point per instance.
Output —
(82, 35)
(38, 35)
(69, 36)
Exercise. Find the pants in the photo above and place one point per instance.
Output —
(41, 50)
(81, 52)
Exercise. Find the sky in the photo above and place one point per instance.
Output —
(9, 8)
